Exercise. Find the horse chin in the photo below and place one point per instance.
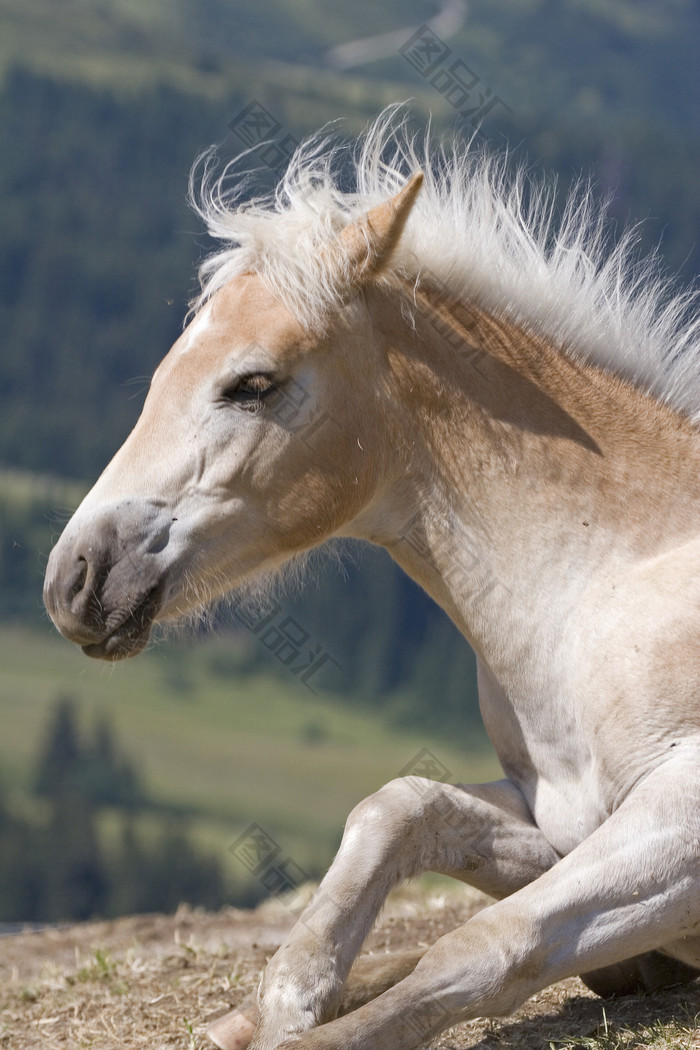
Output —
(117, 647)
(131, 635)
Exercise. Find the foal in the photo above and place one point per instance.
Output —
(510, 415)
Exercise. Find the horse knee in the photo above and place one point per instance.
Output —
(394, 808)
(389, 827)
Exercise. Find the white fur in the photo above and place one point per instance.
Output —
(489, 235)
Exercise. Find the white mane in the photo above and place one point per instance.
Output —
(489, 236)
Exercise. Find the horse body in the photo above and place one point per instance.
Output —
(576, 584)
(548, 504)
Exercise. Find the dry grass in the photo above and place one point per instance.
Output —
(156, 981)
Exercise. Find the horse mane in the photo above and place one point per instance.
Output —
(485, 232)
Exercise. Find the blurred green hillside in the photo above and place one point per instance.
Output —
(104, 104)
(606, 59)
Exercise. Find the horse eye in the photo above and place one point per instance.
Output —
(249, 391)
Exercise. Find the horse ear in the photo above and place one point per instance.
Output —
(368, 242)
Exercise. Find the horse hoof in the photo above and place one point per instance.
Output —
(234, 1030)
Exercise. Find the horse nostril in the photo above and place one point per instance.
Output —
(78, 582)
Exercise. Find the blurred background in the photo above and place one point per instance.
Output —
(219, 767)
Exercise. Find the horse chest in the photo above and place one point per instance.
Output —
(542, 749)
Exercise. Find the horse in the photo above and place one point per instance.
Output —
(444, 363)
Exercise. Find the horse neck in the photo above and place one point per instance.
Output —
(523, 472)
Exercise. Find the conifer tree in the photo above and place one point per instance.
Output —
(61, 754)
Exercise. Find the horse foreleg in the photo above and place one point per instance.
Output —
(482, 834)
(633, 886)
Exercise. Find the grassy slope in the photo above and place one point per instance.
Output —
(232, 751)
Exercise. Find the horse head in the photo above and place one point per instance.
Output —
(255, 444)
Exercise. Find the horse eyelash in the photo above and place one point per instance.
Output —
(249, 391)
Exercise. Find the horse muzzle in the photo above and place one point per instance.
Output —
(105, 578)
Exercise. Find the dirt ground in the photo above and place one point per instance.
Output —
(157, 981)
